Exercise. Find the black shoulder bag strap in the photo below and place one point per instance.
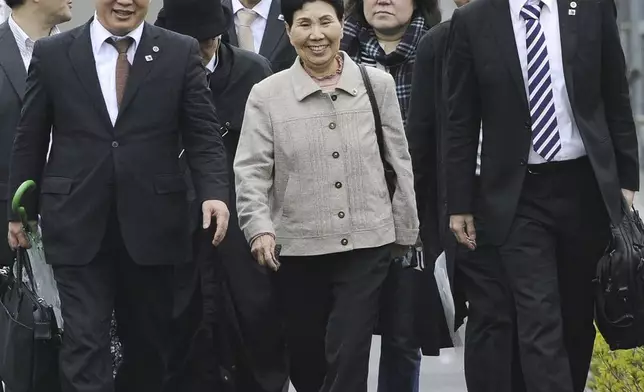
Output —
(390, 174)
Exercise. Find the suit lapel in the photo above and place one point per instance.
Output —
(11, 60)
(232, 33)
(568, 30)
(275, 30)
(81, 56)
(144, 60)
(501, 24)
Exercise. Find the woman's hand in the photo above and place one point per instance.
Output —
(263, 249)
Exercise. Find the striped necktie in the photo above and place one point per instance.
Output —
(545, 130)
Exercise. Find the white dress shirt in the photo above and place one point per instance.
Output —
(572, 146)
(105, 56)
(259, 24)
(25, 44)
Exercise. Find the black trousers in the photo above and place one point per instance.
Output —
(491, 345)
(142, 298)
(559, 233)
(262, 366)
(329, 305)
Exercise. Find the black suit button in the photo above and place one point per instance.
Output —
(341, 215)
(528, 125)
(115, 144)
(522, 162)
(344, 242)
(338, 185)
(332, 125)
(336, 155)
(334, 97)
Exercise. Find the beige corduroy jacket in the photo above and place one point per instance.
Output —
(308, 167)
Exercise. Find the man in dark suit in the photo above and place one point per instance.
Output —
(478, 277)
(232, 72)
(122, 100)
(559, 157)
(28, 22)
(259, 27)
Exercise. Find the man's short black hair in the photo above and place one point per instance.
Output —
(14, 3)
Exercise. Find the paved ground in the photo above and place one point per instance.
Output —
(441, 374)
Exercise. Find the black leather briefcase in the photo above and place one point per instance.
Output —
(619, 285)
(29, 336)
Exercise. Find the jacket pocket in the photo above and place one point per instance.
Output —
(56, 185)
(4, 189)
(169, 183)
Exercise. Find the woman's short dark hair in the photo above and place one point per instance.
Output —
(428, 8)
(14, 3)
(290, 7)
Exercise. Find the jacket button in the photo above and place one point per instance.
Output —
(334, 97)
(341, 215)
(115, 144)
(528, 125)
(338, 185)
(344, 242)
(522, 162)
(332, 125)
(336, 155)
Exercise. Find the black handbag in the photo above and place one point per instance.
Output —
(29, 335)
(390, 174)
(619, 285)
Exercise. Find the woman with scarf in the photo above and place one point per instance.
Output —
(385, 34)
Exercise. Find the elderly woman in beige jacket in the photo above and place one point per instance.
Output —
(309, 177)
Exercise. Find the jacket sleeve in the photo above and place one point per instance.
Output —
(31, 142)
(253, 166)
(422, 135)
(463, 120)
(205, 151)
(397, 154)
(615, 94)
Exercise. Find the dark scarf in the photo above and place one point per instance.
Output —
(362, 46)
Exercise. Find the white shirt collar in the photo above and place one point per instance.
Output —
(20, 34)
(517, 5)
(212, 64)
(99, 34)
(262, 9)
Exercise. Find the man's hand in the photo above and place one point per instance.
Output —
(17, 237)
(263, 249)
(463, 228)
(629, 196)
(219, 210)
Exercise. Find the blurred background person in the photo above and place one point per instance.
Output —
(385, 34)
(23, 23)
(259, 27)
(310, 178)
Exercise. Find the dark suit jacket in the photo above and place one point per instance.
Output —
(485, 82)
(276, 46)
(132, 167)
(12, 88)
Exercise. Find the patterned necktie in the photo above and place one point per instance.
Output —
(545, 132)
(244, 32)
(122, 65)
